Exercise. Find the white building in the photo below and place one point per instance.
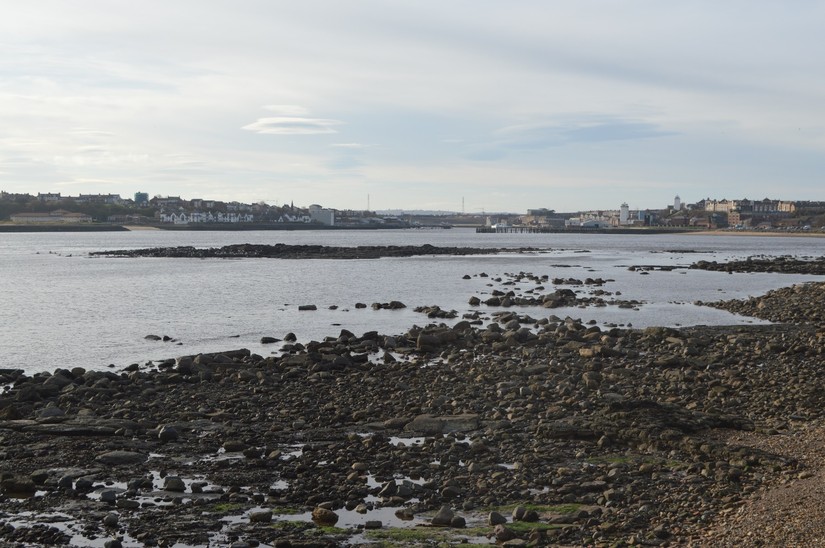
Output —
(184, 218)
(677, 203)
(321, 215)
(624, 214)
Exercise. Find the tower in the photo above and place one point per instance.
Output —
(624, 214)
(677, 203)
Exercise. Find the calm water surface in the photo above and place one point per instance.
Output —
(62, 308)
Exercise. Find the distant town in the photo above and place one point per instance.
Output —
(109, 210)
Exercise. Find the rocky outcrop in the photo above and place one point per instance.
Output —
(285, 251)
(799, 304)
(784, 265)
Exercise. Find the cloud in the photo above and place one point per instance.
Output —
(587, 129)
(292, 120)
(350, 145)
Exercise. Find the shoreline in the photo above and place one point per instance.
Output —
(758, 233)
(578, 425)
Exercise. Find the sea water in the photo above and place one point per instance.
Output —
(59, 307)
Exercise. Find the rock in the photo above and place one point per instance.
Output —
(429, 425)
(110, 520)
(10, 413)
(50, 412)
(450, 492)
(495, 518)
(307, 307)
(503, 534)
(168, 433)
(174, 483)
(269, 340)
(425, 424)
(404, 514)
(17, 485)
(264, 516)
(444, 517)
(128, 504)
(109, 496)
(118, 458)
(324, 517)
(234, 446)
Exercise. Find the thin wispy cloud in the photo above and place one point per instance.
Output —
(352, 146)
(588, 129)
(292, 121)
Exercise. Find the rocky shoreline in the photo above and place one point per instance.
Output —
(784, 265)
(286, 251)
(520, 432)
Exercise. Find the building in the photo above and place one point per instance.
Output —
(624, 214)
(321, 215)
(109, 199)
(54, 217)
(168, 202)
(141, 199)
(49, 197)
(182, 217)
(542, 217)
(677, 203)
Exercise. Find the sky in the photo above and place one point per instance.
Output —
(470, 105)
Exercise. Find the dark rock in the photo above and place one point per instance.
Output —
(168, 433)
(264, 516)
(444, 517)
(495, 518)
(118, 458)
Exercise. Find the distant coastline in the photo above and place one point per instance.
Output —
(764, 233)
(245, 227)
(62, 228)
(240, 227)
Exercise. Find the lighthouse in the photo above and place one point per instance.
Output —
(677, 203)
(624, 214)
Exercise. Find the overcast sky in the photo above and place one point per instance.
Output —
(507, 105)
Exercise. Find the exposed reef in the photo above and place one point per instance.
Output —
(285, 251)
(784, 265)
